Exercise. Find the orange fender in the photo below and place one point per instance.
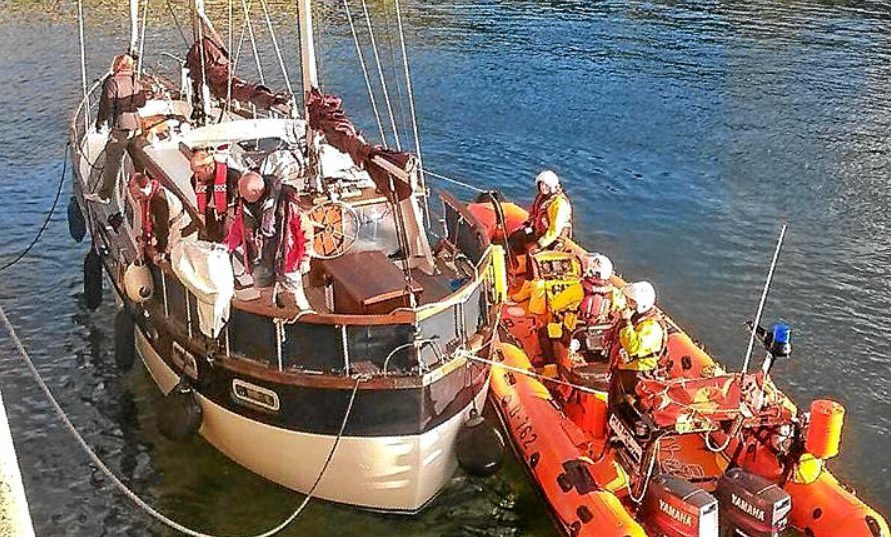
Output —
(825, 509)
(514, 217)
(547, 443)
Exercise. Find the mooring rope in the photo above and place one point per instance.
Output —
(132, 495)
(532, 374)
(49, 214)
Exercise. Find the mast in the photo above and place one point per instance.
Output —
(134, 26)
(310, 82)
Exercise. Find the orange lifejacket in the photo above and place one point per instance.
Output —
(220, 190)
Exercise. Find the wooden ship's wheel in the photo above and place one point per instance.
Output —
(335, 227)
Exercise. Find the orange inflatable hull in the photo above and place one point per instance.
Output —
(543, 438)
(549, 437)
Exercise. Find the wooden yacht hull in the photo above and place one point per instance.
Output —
(399, 473)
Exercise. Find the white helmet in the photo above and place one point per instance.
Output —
(599, 265)
(642, 293)
(549, 179)
(138, 283)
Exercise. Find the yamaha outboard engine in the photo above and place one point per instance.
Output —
(751, 505)
(674, 507)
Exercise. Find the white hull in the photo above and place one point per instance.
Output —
(398, 473)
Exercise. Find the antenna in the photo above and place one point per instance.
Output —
(773, 264)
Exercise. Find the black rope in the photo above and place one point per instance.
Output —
(48, 216)
(178, 25)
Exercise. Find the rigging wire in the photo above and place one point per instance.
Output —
(278, 51)
(380, 72)
(83, 65)
(60, 412)
(178, 25)
(49, 214)
(411, 108)
(377, 116)
(457, 182)
(250, 28)
(229, 73)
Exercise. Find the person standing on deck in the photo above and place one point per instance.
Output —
(216, 192)
(642, 338)
(550, 218)
(275, 236)
(122, 96)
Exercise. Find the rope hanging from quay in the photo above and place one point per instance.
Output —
(160, 517)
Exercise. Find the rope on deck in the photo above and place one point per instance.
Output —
(132, 495)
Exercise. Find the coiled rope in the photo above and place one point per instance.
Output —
(132, 495)
(49, 214)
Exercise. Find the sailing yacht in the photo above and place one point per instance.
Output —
(378, 376)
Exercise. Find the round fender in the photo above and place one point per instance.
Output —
(479, 446)
(179, 414)
(92, 280)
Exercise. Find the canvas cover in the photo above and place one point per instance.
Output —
(205, 269)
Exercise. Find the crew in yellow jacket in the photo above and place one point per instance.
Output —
(642, 340)
(550, 217)
(643, 335)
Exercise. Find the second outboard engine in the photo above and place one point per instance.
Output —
(751, 505)
(674, 507)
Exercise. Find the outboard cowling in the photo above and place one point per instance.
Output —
(751, 505)
(674, 507)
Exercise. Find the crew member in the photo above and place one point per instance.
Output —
(216, 190)
(275, 237)
(163, 218)
(642, 338)
(550, 218)
(122, 96)
(591, 302)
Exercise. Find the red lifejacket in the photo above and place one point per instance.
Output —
(292, 245)
(145, 212)
(538, 215)
(220, 190)
(597, 301)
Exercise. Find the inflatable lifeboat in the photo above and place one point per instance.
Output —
(704, 453)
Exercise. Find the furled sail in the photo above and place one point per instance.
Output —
(326, 115)
(216, 59)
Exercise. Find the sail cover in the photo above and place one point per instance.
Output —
(217, 61)
(327, 116)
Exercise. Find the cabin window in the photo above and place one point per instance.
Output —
(253, 337)
(253, 396)
(474, 311)
(316, 347)
(463, 234)
(377, 343)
